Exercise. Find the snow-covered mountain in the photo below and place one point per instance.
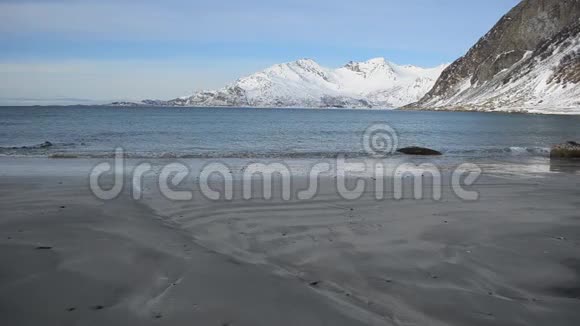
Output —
(528, 62)
(304, 83)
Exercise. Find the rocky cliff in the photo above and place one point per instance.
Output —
(529, 61)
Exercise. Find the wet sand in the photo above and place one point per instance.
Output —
(510, 258)
(69, 259)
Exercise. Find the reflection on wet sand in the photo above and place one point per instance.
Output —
(565, 165)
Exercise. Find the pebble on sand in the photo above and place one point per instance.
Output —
(315, 283)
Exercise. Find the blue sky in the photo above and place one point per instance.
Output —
(62, 51)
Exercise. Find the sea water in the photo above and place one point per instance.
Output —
(157, 132)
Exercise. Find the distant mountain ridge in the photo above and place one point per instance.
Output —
(528, 62)
(375, 83)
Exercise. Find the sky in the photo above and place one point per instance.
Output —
(96, 51)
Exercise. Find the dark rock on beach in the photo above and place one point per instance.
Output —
(418, 151)
(568, 150)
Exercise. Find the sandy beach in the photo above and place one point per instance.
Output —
(510, 258)
(290, 163)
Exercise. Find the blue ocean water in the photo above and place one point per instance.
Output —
(86, 131)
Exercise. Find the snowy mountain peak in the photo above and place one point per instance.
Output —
(366, 68)
(303, 69)
(304, 83)
(306, 62)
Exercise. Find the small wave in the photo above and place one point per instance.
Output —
(45, 149)
(71, 151)
(531, 150)
(44, 145)
(64, 155)
(207, 155)
(514, 151)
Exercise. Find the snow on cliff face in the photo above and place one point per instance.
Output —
(546, 80)
(528, 62)
(304, 83)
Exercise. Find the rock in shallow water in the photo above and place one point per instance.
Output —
(570, 149)
(46, 144)
(418, 151)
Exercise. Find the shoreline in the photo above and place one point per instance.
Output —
(81, 166)
(510, 111)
